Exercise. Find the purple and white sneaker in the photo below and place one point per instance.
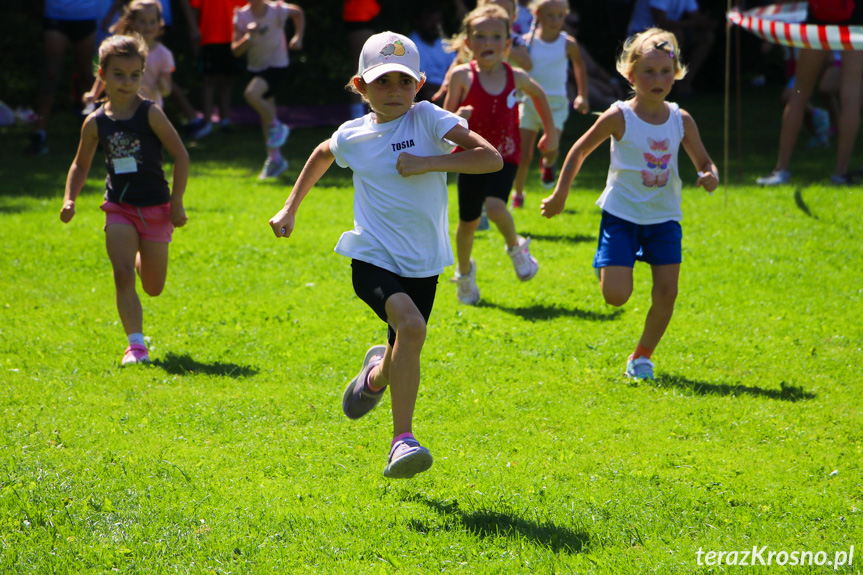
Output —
(358, 399)
(407, 458)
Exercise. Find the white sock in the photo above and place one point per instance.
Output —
(135, 338)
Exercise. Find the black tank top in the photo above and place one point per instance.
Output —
(133, 156)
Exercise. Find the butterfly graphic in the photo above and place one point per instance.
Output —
(660, 146)
(652, 180)
(654, 162)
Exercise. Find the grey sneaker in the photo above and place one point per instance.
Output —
(525, 264)
(467, 292)
(273, 169)
(776, 177)
(639, 368)
(358, 400)
(407, 458)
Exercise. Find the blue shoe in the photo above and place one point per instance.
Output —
(639, 368)
(277, 135)
(198, 128)
(407, 458)
(838, 180)
(821, 121)
(483, 221)
(358, 399)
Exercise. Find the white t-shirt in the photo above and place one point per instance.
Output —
(643, 185)
(400, 224)
(268, 47)
(642, 17)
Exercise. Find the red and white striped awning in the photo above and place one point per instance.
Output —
(781, 24)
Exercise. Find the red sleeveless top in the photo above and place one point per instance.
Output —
(495, 118)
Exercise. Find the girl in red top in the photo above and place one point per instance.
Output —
(483, 91)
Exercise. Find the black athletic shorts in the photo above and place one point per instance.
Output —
(473, 189)
(75, 30)
(274, 77)
(375, 285)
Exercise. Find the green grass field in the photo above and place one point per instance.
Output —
(230, 454)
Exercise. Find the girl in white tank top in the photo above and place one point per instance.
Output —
(641, 200)
(551, 50)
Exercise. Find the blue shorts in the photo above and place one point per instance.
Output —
(622, 242)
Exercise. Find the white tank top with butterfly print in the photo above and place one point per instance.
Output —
(643, 184)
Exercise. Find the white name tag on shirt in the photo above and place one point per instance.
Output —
(126, 165)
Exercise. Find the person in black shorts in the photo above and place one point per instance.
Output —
(64, 23)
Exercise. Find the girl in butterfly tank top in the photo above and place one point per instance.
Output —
(641, 202)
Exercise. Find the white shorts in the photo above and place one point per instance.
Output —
(528, 117)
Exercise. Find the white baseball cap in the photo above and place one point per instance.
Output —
(389, 52)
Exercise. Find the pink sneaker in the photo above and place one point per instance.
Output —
(517, 200)
(136, 353)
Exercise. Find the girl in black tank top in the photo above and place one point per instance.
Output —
(141, 209)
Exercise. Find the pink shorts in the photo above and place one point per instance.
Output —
(152, 222)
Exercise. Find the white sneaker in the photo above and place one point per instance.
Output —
(525, 264)
(776, 177)
(467, 292)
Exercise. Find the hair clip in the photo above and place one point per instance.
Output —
(662, 45)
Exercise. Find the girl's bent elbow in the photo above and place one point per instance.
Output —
(182, 157)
